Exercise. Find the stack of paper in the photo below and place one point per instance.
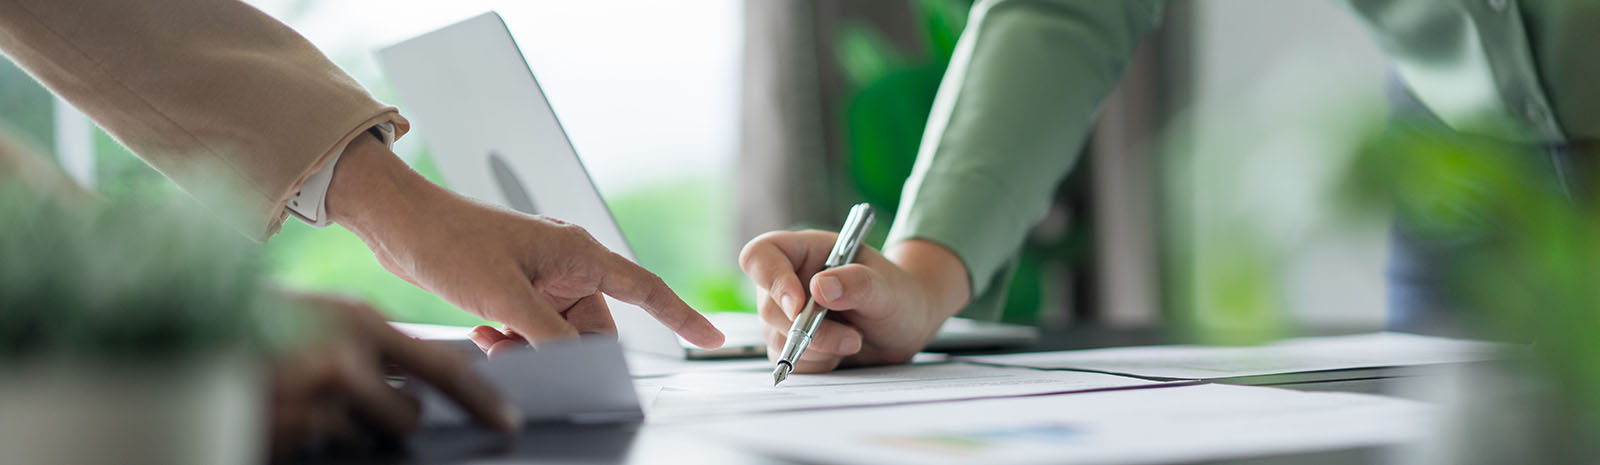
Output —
(1290, 356)
(1164, 424)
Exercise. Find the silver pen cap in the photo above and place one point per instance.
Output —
(856, 225)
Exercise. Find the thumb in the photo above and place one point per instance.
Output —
(854, 287)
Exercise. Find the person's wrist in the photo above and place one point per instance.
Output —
(374, 190)
(939, 274)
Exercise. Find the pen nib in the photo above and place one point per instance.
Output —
(780, 373)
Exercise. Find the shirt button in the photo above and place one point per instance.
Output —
(1499, 5)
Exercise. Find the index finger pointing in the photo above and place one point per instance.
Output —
(631, 283)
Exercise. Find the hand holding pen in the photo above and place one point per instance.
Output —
(806, 324)
(882, 308)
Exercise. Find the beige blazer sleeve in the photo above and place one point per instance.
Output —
(229, 103)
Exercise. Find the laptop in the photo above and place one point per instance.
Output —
(495, 138)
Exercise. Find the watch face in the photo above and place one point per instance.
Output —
(511, 188)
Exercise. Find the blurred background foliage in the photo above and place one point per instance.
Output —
(1514, 231)
(890, 93)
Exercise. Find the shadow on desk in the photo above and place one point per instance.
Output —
(548, 443)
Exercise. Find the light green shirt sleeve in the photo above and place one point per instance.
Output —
(1009, 120)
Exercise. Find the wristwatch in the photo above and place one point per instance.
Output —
(308, 203)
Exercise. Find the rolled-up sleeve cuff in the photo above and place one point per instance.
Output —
(269, 223)
(309, 201)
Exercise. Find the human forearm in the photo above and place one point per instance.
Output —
(232, 105)
(374, 194)
(1012, 113)
(541, 277)
(941, 275)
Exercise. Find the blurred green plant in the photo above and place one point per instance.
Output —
(1225, 279)
(1523, 248)
(891, 93)
(1518, 245)
(1237, 293)
(127, 279)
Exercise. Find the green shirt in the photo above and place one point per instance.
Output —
(1027, 76)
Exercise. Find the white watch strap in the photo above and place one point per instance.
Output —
(308, 203)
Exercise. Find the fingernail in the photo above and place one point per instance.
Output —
(511, 417)
(830, 288)
(849, 346)
(788, 303)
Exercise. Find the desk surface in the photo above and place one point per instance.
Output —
(644, 444)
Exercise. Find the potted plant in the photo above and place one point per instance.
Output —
(128, 334)
(1522, 231)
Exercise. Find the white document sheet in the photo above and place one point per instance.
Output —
(1166, 424)
(1290, 356)
(644, 364)
(713, 393)
(640, 364)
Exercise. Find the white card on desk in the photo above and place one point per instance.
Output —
(584, 381)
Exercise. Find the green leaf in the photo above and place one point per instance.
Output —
(864, 55)
(883, 125)
(942, 22)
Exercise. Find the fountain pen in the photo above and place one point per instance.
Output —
(805, 325)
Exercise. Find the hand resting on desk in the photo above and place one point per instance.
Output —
(332, 390)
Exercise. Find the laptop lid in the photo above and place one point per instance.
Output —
(481, 112)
